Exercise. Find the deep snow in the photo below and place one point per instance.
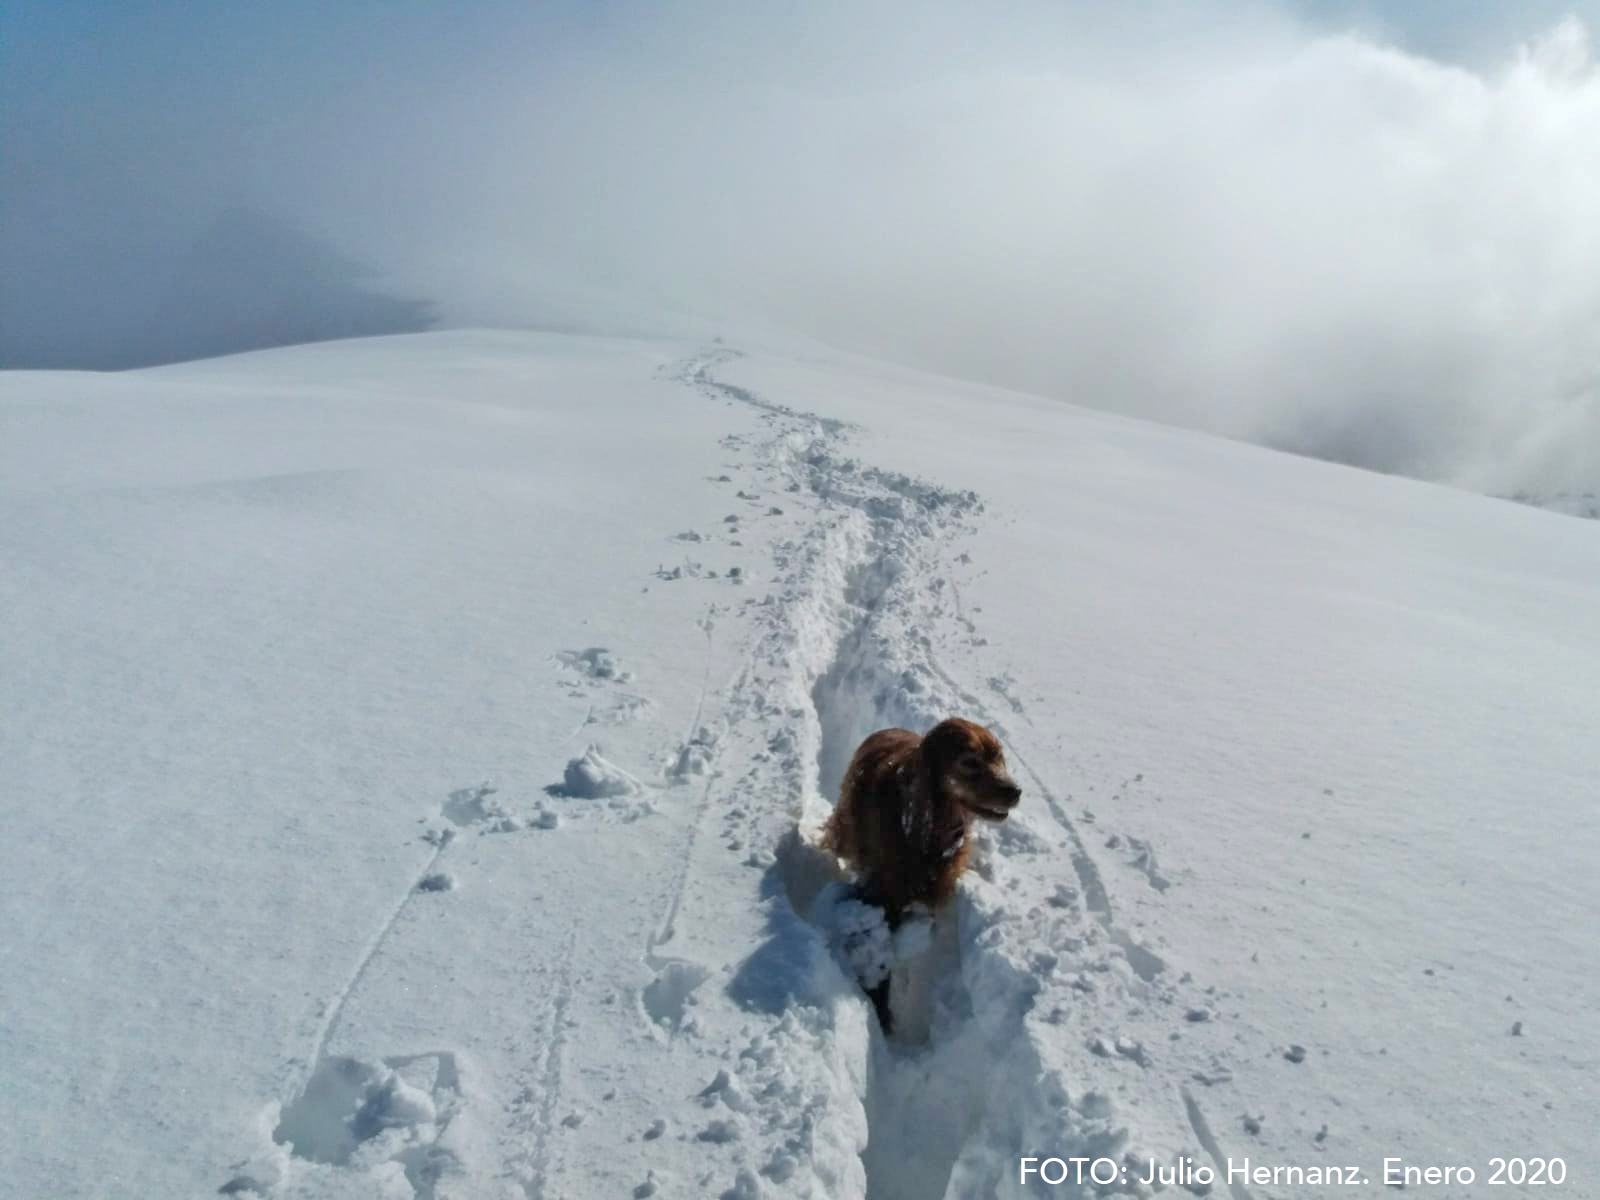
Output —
(413, 747)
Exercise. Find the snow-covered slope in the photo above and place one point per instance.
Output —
(413, 748)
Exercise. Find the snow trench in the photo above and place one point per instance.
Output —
(964, 1087)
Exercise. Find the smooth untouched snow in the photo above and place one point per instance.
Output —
(415, 749)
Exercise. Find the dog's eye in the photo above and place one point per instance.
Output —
(969, 763)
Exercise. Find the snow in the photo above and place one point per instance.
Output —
(857, 933)
(415, 750)
(591, 777)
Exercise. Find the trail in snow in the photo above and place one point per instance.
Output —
(395, 1108)
(299, 597)
(1145, 963)
(333, 1007)
(869, 528)
(816, 1101)
(696, 757)
(947, 1118)
(880, 537)
(534, 1106)
(1202, 1131)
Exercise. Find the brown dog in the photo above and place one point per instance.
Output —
(905, 813)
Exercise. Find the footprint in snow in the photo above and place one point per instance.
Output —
(364, 1117)
(481, 808)
(1005, 687)
(474, 806)
(695, 756)
(596, 663)
(667, 998)
(1141, 857)
(698, 570)
(625, 708)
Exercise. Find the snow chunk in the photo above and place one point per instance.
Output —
(394, 1103)
(591, 777)
(719, 1132)
(745, 1187)
(695, 756)
(725, 1089)
(858, 933)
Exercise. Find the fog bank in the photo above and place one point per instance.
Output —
(1244, 219)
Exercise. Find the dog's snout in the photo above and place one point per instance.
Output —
(1010, 792)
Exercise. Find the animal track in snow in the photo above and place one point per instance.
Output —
(1145, 963)
(480, 807)
(1005, 687)
(533, 1109)
(596, 666)
(1144, 860)
(623, 708)
(667, 998)
(474, 806)
(362, 1116)
(595, 663)
(695, 756)
(690, 569)
(374, 1117)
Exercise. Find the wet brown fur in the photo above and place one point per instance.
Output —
(906, 806)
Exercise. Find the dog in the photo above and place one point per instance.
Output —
(904, 819)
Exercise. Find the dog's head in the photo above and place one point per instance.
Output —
(968, 765)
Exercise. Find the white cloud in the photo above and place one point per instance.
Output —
(1211, 216)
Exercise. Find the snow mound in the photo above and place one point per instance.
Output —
(591, 777)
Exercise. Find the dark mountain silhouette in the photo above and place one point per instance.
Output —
(248, 282)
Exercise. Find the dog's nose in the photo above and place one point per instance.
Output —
(1011, 793)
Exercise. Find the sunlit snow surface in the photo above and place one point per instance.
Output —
(414, 747)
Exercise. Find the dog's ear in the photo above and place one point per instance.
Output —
(989, 746)
(943, 744)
